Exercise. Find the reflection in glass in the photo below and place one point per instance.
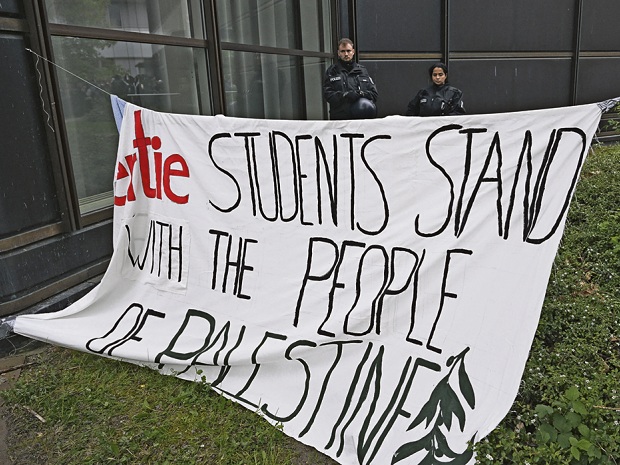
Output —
(162, 78)
(11, 6)
(28, 195)
(315, 25)
(314, 70)
(260, 85)
(276, 23)
(165, 17)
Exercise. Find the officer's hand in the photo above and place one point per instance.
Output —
(351, 96)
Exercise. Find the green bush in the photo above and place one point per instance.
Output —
(568, 407)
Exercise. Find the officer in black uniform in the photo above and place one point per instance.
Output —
(345, 82)
(438, 99)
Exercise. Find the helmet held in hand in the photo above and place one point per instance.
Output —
(363, 108)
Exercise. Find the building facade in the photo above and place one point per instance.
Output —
(505, 56)
(243, 58)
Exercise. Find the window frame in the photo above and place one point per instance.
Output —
(39, 31)
(292, 52)
(30, 28)
(81, 220)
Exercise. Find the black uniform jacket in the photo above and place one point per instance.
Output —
(340, 79)
(437, 101)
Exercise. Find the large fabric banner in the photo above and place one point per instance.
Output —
(372, 286)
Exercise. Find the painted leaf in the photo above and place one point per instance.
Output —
(429, 408)
(463, 458)
(443, 448)
(465, 385)
(410, 448)
(429, 460)
(450, 404)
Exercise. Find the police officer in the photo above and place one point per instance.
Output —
(438, 99)
(345, 82)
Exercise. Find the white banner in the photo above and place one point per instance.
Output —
(373, 286)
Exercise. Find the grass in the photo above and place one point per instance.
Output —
(100, 411)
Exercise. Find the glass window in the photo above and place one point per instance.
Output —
(314, 70)
(599, 28)
(260, 85)
(28, 194)
(315, 25)
(163, 78)
(526, 25)
(10, 6)
(258, 22)
(404, 26)
(164, 17)
(274, 85)
(304, 25)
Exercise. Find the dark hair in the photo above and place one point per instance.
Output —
(437, 65)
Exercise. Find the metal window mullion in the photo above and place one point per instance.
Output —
(214, 57)
(445, 42)
(62, 167)
(272, 50)
(301, 85)
(124, 36)
(576, 51)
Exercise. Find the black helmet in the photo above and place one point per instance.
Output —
(363, 108)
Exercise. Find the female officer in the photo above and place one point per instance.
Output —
(438, 99)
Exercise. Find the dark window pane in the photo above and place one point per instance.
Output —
(11, 7)
(599, 29)
(28, 197)
(399, 26)
(526, 25)
(492, 86)
(394, 94)
(591, 87)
